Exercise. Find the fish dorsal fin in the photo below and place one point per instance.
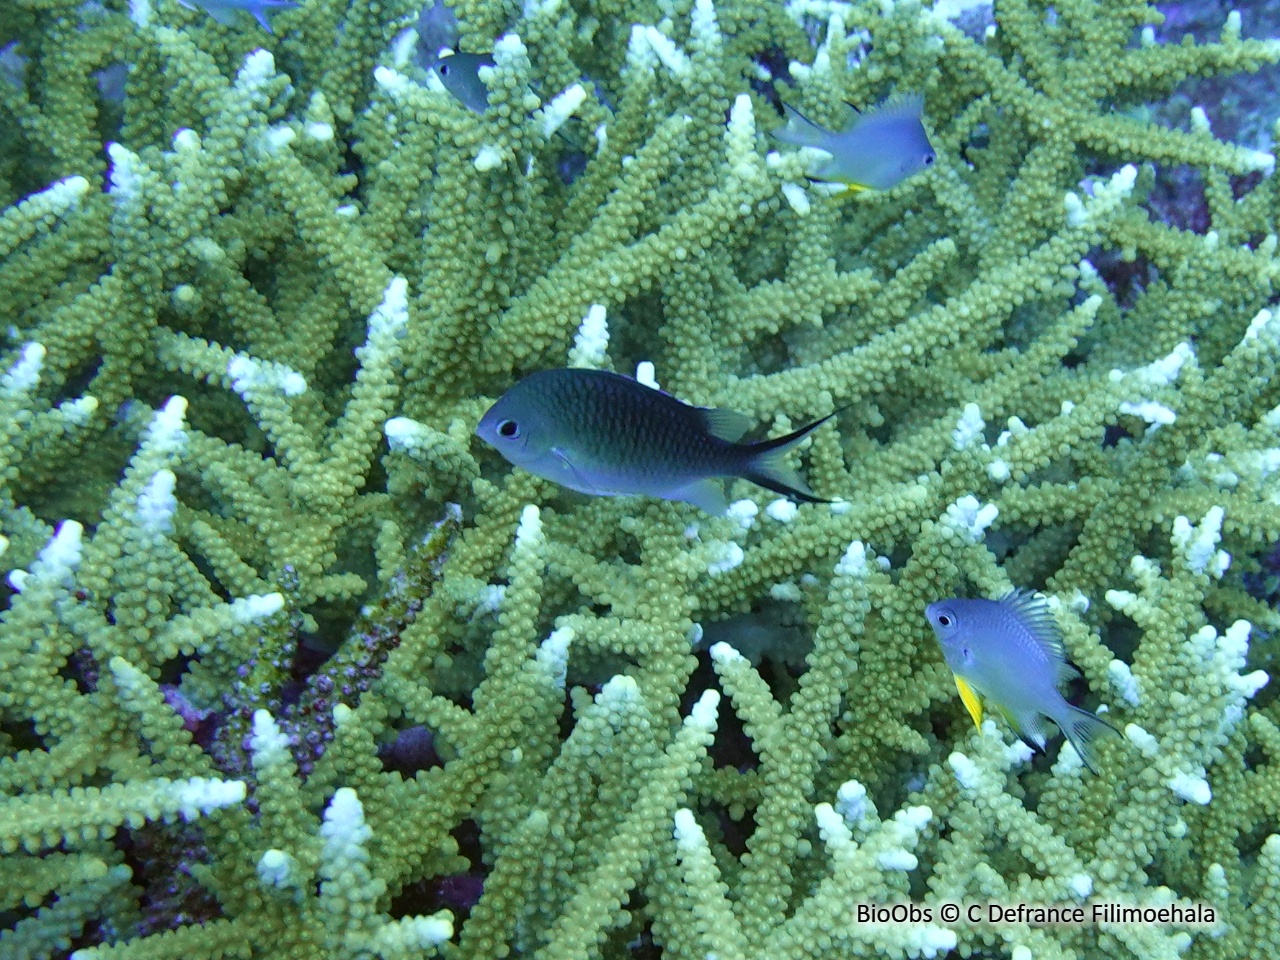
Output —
(900, 106)
(1033, 610)
(800, 131)
(727, 425)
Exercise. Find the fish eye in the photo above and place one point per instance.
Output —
(508, 429)
(944, 620)
(928, 159)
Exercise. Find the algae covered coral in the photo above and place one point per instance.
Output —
(291, 666)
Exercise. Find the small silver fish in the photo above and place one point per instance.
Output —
(607, 435)
(460, 74)
(878, 150)
(1010, 651)
(224, 11)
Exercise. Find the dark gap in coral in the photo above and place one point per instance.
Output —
(732, 747)
(882, 432)
(1255, 757)
(1177, 198)
(71, 671)
(81, 375)
(775, 60)
(413, 749)
(1122, 637)
(1073, 358)
(457, 893)
(334, 619)
(1127, 280)
(627, 548)
(629, 923)
(1264, 582)
(23, 735)
(198, 560)
(571, 163)
(1113, 434)
(161, 857)
(1026, 323)
(172, 670)
(308, 657)
(1242, 185)
(642, 946)
(770, 355)
(633, 330)
(733, 834)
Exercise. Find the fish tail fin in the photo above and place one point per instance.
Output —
(1082, 729)
(800, 130)
(767, 467)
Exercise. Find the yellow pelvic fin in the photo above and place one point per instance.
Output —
(970, 698)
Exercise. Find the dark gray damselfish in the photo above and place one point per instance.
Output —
(608, 435)
(460, 74)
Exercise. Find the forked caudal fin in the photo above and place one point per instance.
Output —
(766, 466)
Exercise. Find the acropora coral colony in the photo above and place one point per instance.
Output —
(293, 666)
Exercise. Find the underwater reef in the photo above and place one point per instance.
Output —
(292, 665)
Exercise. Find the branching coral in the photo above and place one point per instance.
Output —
(292, 667)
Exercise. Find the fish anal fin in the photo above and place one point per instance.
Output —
(969, 697)
(845, 188)
(727, 425)
(1031, 729)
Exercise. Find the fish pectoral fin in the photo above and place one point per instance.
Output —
(704, 494)
(581, 484)
(969, 697)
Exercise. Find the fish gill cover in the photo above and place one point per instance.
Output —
(291, 665)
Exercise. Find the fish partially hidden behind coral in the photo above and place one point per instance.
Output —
(224, 11)
(460, 74)
(877, 151)
(437, 28)
(608, 435)
(1010, 651)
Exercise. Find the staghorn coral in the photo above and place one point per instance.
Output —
(291, 667)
